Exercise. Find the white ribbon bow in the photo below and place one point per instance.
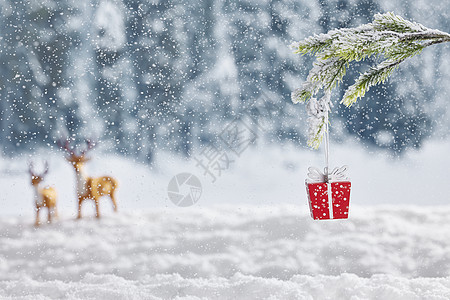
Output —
(338, 174)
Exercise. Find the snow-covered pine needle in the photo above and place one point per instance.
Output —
(317, 116)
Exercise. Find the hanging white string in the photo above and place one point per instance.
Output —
(326, 98)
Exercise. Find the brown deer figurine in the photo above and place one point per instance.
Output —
(89, 187)
(44, 196)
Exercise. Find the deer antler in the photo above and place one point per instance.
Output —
(64, 144)
(30, 168)
(75, 155)
(90, 145)
(45, 168)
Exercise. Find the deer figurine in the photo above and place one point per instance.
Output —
(44, 196)
(89, 187)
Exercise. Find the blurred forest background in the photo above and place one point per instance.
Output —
(143, 76)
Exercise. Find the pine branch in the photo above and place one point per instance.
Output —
(316, 134)
(380, 73)
(374, 76)
(389, 21)
(388, 37)
(317, 116)
(325, 74)
(313, 44)
(402, 51)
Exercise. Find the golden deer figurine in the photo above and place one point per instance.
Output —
(89, 187)
(44, 196)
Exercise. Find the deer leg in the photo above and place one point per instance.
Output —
(36, 223)
(97, 210)
(113, 199)
(49, 215)
(79, 209)
(55, 212)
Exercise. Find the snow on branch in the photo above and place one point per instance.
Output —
(389, 37)
(317, 118)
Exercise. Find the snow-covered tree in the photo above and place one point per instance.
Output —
(169, 75)
(389, 38)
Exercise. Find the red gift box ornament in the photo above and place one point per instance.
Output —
(328, 193)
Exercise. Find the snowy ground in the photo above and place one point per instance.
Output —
(248, 237)
(260, 176)
(230, 253)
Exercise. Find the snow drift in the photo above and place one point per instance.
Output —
(250, 252)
